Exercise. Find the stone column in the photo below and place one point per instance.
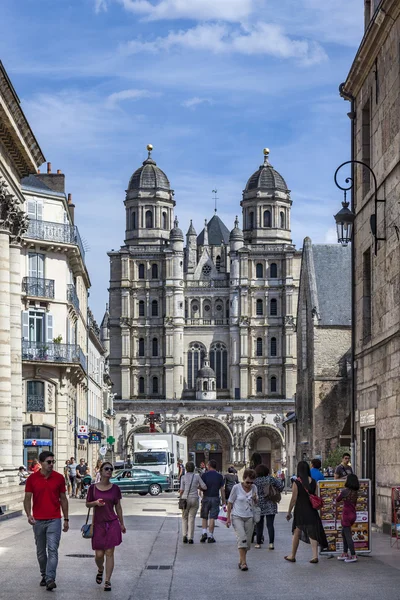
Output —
(16, 358)
(5, 350)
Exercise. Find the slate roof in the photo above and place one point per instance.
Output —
(34, 182)
(266, 178)
(332, 271)
(149, 176)
(217, 233)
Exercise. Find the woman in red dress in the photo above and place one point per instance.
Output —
(108, 522)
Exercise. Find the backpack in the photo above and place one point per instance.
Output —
(271, 493)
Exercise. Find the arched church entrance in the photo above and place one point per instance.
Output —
(267, 441)
(208, 439)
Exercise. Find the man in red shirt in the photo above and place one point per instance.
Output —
(46, 488)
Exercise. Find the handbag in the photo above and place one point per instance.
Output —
(316, 502)
(256, 513)
(272, 493)
(87, 528)
(182, 502)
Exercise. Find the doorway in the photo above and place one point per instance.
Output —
(368, 462)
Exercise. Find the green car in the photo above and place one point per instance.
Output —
(140, 481)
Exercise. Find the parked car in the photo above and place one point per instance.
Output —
(140, 481)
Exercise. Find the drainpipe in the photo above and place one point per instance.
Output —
(352, 116)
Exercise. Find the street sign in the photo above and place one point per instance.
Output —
(103, 450)
(110, 440)
(94, 437)
(83, 432)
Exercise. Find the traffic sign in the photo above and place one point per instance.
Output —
(103, 450)
(110, 440)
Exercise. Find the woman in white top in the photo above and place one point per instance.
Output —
(242, 499)
(190, 484)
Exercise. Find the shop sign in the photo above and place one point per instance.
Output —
(83, 432)
(95, 437)
(31, 442)
(331, 515)
(367, 417)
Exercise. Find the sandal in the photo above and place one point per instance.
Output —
(314, 561)
(107, 586)
(99, 576)
(293, 560)
(244, 567)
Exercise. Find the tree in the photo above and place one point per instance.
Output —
(335, 456)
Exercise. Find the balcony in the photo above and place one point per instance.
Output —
(72, 297)
(52, 352)
(95, 423)
(38, 287)
(195, 321)
(208, 283)
(35, 403)
(61, 233)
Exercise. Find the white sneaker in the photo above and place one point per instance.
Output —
(343, 557)
(351, 559)
(271, 547)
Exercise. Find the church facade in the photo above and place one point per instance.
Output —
(202, 330)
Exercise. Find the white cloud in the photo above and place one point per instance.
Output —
(100, 5)
(117, 97)
(193, 102)
(331, 236)
(263, 38)
(202, 10)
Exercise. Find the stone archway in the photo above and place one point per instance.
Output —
(208, 438)
(268, 441)
(137, 429)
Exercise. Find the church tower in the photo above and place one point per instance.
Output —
(266, 206)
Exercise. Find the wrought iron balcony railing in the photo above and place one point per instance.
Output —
(35, 403)
(55, 232)
(52, 352)
(72, 297)
(38, 287)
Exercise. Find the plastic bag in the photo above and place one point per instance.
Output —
(222, 514)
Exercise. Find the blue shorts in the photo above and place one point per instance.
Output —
(209, 507)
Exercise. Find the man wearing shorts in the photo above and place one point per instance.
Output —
(211, 500)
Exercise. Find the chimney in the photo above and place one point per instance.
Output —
(49, 167)
(58, 171)
(71, 208)
(38, 171)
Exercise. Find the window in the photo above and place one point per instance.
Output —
(272, 384)
(259, 307)
(259, 385)
(206, 270)
(196, 354)
(273, 271)
(149, 219)
(36, 265)
(141, 271)
(259, 271)
(155, 347)
(141, 308)
(273, 346)
(366, 145)
(133, 220)
(34, 210)
(35, 396)
(367, 308)
(154, 271)
(259, 347)
(205, 386)
(251, 220)
(164, 221)
(141, 385)
(34, 326)
(155, 385)
(218, 263)
(273, 307)
(154, 308)
(141, 347)
(282, 219)
(219, 364)
(267, 218)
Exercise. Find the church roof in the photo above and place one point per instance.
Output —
(332, 277)
(206, 372)
(266, 178)
(218, 233)
(149, 176)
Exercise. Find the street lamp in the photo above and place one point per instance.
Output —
(344, 223)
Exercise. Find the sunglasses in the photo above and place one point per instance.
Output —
(248, 482)
(108, 469)
(50, 462)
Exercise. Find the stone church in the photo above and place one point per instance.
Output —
(202, 330)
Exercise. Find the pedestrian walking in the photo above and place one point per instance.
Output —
(230, 478)
(44, 494)
(242, 500)
(307, 525)
(108, 522)
(35, 466)
(81, 471)
(97, 475)
(349, 497)
(191, 483)
(344, 469)
(211, 500)
(66, 478)
(268, 504)
(315, 470)
(72, 476)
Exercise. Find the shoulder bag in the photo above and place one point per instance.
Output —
(87, 528)
(256, 511)
(272, 493)
(182, 502)
(316, 502)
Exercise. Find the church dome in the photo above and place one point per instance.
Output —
(236, 233)
(176, 233)
(149, 176)
(266, 178)
(206, 373)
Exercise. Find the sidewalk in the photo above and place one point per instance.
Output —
(153, 564)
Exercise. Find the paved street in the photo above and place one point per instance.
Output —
(153, 540)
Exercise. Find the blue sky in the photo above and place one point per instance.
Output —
(209, 83)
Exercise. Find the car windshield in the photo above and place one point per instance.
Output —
(150, 458)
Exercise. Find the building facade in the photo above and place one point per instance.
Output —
(224, 302)
(54, 286)
(20, 155)
(323, 389)
(373, 88)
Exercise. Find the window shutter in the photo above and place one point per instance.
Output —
(31, 209)
(49, 327)
(32, 265)
(25, 324)
(39, 210)
(40, 265)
